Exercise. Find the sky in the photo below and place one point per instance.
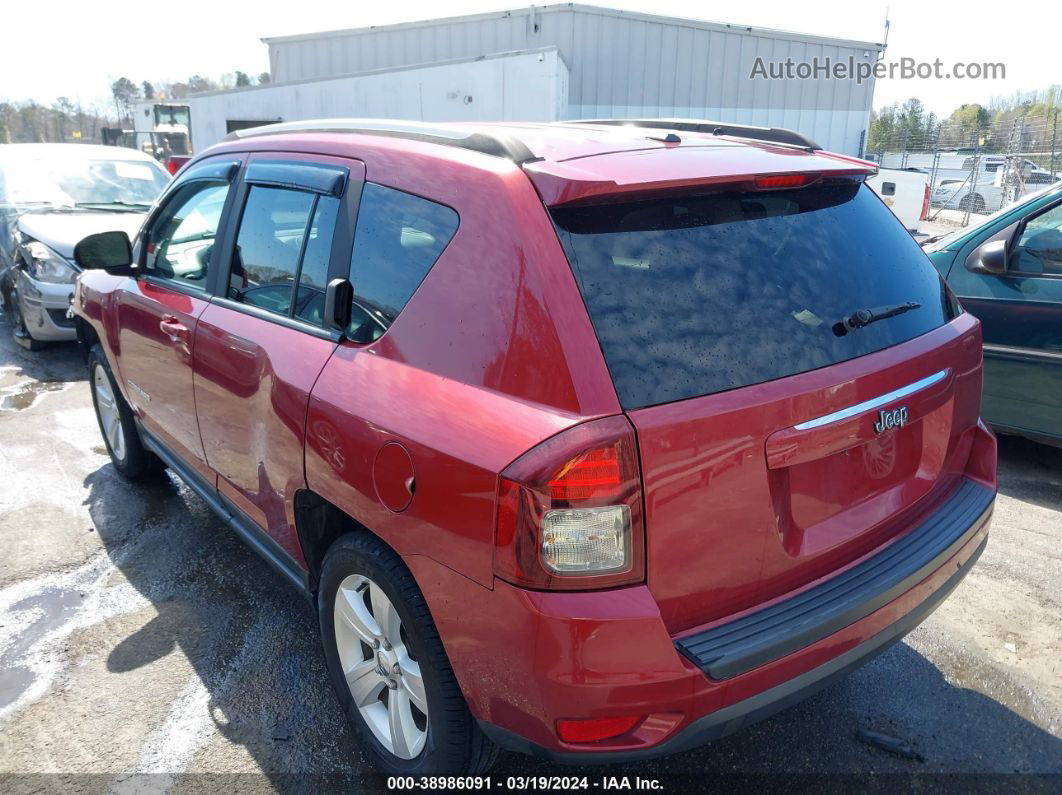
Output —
(94, 44)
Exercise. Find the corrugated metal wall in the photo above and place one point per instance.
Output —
(621, 64)
(524, 86)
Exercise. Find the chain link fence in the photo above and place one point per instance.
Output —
(975, 169)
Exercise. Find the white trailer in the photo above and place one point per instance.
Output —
(905, 192)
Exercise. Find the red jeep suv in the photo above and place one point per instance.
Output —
(594, 440)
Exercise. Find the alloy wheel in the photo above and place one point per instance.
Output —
(107, 408)
(382, 673)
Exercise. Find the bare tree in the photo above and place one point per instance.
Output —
(64, 111)
(197, 84)
(125, 95)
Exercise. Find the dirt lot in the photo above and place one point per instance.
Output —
(138, 636)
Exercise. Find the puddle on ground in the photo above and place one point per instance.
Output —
(25, 395)
(55, 607)
(13, 683)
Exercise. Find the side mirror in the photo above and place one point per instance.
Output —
(109, 251)
(989, 257)
(339, 297)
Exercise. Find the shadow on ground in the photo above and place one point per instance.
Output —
(1030, 472)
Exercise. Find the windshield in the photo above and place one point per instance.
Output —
(72, 181)
(176, 115)
(699, 294)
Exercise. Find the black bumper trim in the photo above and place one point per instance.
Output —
(751, 710)
(769, 634)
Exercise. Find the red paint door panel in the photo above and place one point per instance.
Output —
(156, 332)
(252, 383)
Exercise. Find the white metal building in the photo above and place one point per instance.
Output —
(564, 61)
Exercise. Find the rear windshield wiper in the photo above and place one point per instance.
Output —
(864, 317)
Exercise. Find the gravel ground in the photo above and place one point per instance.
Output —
(140, 641)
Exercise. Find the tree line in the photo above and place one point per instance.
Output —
(67, 120)
(1026, 121)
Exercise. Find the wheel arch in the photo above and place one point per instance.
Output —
(86, 337)
(319, 523)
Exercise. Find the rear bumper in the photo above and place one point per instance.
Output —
(750, 710)
(762, 636)
(620, 665)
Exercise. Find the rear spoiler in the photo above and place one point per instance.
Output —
(692, 170)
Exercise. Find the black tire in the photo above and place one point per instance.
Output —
(975, 203)
(454, 744)
(20, 331)
(136, 461)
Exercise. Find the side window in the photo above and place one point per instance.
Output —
(285, 239)
(397, 239)
(181, 239)
(1039, 249)
(313, 276)
(268, 246)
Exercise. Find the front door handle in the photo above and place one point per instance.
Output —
(173, 328)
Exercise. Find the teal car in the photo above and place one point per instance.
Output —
(1007, 271)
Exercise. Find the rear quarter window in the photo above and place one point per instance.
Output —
(398, 238)
(696, 295)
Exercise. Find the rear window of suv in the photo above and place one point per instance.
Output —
(695, 295)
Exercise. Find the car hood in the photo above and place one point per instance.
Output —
(61, 231)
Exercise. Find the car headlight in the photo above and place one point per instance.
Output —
(45, 265)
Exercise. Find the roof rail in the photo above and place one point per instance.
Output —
(777, 135)
(504, 146)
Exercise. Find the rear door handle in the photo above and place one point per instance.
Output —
(173, 328)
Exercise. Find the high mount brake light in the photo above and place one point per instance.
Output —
(570, 511)
(778, 181)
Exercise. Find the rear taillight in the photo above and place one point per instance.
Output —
(570, 511)
(925, 205)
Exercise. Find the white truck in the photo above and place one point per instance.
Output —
(905, 192)
(163, 129)
(981, 183)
